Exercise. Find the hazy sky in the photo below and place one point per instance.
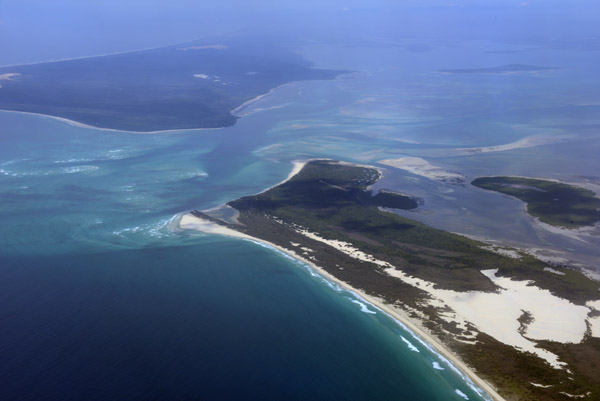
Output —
(36, 30)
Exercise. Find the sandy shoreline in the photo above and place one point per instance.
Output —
(82, 125)
(189, 221)
(236, 112)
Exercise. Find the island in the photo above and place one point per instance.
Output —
(187, 86)
(553, 202)
(521, 329)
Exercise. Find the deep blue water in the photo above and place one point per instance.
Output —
(220, 319)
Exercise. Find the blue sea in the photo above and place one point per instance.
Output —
(102, 297)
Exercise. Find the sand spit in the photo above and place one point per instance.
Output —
(82, 125)
(298, 166)
(422, 167)
(189, 221)
(579, 234)
(239, 111)
(528, 142)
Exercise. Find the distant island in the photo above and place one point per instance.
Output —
(552, 202)
(194, 85)
(530, 329)
(509, 69)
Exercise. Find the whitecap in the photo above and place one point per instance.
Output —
(460, 393)
(429, 347)
(437, 366)
(333, 286)
(79, 169)
(8, 173)
(72, 161)
(159, 229)
(409, 345)
(363, 307)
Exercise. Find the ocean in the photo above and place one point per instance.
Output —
(103, 297)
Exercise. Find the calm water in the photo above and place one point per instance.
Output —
(103, 298)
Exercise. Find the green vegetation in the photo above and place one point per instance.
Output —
(332, 199)
(193, 85)
(552, 202)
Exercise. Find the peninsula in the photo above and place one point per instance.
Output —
(530, 330)
(552, 202)
(188, 86)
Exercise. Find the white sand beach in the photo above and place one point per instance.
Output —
(239, 111)
(82, 125)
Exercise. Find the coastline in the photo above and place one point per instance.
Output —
(426, 337)
(191, 222)
(87, 126)
(236, 112)
(82, 125)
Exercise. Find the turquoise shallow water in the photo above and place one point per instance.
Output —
(102, 298)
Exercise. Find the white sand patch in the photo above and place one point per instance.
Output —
(575, 395)
(594, 322)
(594, 326)
(554, 271)
(594, 305)
(541, 385)
(497, 314)
(344, 247)
(511, 253)
(422, 167)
